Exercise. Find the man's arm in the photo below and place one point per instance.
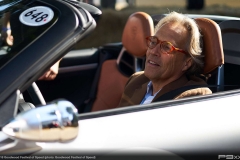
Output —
(51, 73)
(194, 92)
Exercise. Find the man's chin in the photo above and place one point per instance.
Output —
(149, 75)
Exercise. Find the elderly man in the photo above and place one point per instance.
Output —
(173, 61)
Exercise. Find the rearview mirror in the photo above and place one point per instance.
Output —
(56, 121)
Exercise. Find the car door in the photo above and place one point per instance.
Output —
(181, 129)
(76, 74)
(41, 37)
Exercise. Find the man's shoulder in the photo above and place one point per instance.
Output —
(137, 79)
(139, 76)
(137, 82)
(194, 80)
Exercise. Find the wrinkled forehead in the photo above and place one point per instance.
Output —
(173, 32)
(175, 27)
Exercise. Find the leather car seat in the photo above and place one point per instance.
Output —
(213, 51)
(115, 73)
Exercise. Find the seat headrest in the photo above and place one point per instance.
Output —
(212, 44)
(139, 25)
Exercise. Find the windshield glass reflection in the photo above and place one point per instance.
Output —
(7, 4)
(15, 35)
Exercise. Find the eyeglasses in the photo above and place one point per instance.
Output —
(165, 47)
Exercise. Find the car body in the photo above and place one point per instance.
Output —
(205, 126)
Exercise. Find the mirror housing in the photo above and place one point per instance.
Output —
(56, 121)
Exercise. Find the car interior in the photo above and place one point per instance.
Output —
(94, 79)
(230, 37)
(89, 77)
(116, 62)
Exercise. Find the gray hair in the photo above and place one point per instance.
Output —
(194, 42)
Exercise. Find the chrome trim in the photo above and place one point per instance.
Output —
(78, 68)
(120, 55)
(56, 121)
(80, 53)
(38, 93)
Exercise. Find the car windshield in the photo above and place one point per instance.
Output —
(21, 24)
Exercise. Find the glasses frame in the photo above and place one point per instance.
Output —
(160, 42)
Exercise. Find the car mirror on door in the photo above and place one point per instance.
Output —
(56, 121)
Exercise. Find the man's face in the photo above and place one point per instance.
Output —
(162, 66)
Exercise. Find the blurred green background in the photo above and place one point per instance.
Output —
(111, 23)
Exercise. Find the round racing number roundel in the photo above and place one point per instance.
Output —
(36, 16)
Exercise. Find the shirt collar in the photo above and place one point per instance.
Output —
(150, 89)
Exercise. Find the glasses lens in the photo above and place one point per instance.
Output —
(166, 47)
(152, 42)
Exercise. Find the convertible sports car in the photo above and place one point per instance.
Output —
(81, 119)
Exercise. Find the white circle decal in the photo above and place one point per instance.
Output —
(36, 16)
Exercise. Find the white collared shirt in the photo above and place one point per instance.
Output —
(148, 96)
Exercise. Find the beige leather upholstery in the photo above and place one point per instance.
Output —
(212, 44)
(111, 83)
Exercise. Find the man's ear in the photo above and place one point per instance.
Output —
(187, 64)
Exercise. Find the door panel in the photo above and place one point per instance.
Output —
(73, 82)
(76, 74)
